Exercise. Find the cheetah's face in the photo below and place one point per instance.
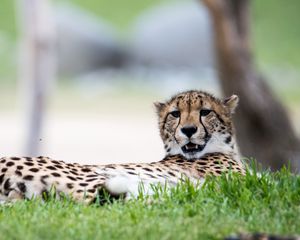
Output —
(194, 123)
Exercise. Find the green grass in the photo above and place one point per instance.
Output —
(224, 206)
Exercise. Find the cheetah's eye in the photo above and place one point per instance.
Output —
(205, 112)
(175, 114)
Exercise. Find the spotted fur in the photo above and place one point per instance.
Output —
(199, 140)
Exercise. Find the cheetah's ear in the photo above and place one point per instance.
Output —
(231, 102)
(159, 106)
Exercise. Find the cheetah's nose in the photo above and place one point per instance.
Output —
(189, 131)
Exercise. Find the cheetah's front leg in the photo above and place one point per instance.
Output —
(131, 187)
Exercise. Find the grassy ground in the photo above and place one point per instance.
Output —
(224, 206)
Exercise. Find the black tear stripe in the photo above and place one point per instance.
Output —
(176, 131)
(219, 118)
(177, 124)
(164, 125)
(207, 136)
(164, 122)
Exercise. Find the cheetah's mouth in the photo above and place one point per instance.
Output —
(192, 148)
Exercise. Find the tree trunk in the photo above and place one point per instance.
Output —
(37, 65)
(263, 127)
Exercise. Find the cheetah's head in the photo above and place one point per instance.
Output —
(194, 123)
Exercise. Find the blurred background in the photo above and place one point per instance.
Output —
(78, 78)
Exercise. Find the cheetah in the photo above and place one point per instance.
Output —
(199, 140)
